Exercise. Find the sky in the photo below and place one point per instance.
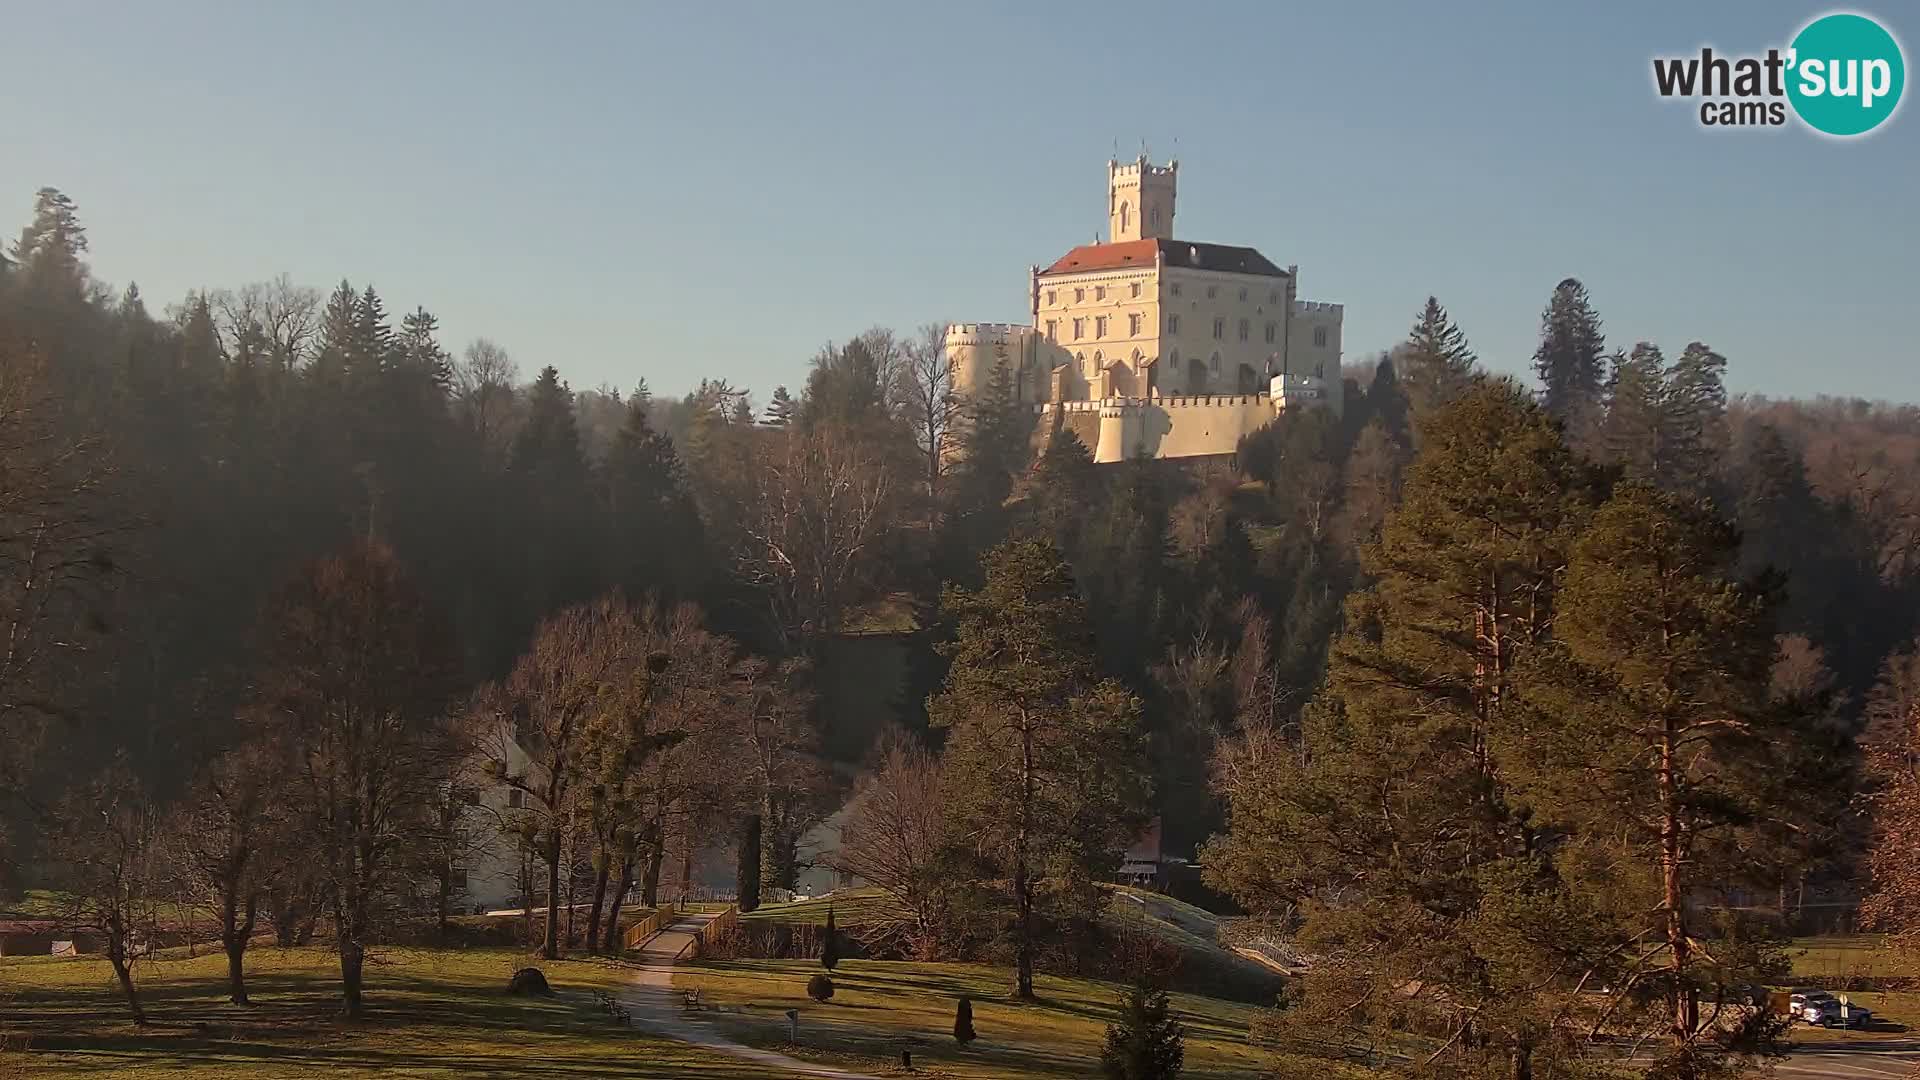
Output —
(716, 189)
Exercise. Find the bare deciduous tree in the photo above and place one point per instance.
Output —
(891, 837)
(821, 507)
(106, 833)
(930, 404)
(484, 389)
(360, 672)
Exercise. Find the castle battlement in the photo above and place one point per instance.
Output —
(1142, 167)
(985, 333)
(1310, 306)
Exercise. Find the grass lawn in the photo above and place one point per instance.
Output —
(851, 907)
(431, 1013)
(879, 1008)
(1864, 957)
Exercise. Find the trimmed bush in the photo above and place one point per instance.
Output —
(830, 948)
(819, 988)
(963, 1022)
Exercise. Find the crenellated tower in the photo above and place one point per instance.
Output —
(1140, 198)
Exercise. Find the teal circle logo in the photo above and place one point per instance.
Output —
(1845, 74)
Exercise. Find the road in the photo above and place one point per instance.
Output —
(1864, 1059)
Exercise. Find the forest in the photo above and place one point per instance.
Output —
(1485, 686)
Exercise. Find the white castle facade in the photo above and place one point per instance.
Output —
(1151, 345)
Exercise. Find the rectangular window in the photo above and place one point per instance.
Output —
(1271, 331)
(516, 798)
(1099, 292)
(1219, 329)
(1133, 326)
(1135, 289)
(1273, 297)
(1052, 298)
(1320, 336)
(1243, 329)
(1243, 296)
(1173, 324)
(1079, 295)
(1053, 329)
(1100, 326)
(1174, 288)
(1079, 329)
(458, 879)
(1213, 291)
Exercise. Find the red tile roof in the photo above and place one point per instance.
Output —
(1131, 253)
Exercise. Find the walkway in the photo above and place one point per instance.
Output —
(656, 1007)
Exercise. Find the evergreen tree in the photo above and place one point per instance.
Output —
(780, 409)
(1648, 733)
(746, 889)
(50, 249)
(963, 1032)
(1435, 363)
(1569, 362)
(549, 444)
(1696, 420)
(1633, 435)
(1043, 759)
(339, 325)
(1393, 800)
(1065, 489)
(830, 947)
(421, 354)
(994, 450)
(1145, 1043)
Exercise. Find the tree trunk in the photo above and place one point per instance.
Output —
(650, 886)
(625, 882)
(1522, 1063)
(123, 969)
(603, 867)
(1673, 891)
(352, 960)
(550, 946)
(1022, 886)
(235, 937)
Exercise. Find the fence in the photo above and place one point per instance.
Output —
(718, 928)
(647, 927)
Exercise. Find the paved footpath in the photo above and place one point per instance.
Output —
(1865, 1059)
(651, 1000)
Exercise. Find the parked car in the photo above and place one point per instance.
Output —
(1819, 1007)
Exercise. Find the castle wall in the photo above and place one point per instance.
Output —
(1193, 361)
(1177, 427)
(1313, 346)
(1127, 299)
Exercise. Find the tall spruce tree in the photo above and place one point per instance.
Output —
(1389, 828)
(1044, 770)
(1569, 362)
(1435, 363)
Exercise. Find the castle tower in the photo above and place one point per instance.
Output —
(1140, 200)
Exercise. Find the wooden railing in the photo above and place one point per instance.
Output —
(640, 931)
(718, 927)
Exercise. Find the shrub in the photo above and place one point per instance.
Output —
(819, 988)
(963, 1022)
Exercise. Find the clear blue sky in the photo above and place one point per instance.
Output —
(715, 189)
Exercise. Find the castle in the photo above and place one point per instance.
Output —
(1150, 345)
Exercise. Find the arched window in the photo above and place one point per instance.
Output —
(1154, 217)
(1173, 359)
(1125, 217)
(1213, 363)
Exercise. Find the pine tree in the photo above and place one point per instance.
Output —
(830, 947)
(1145, 1043)
(549, 444)
(780, 409)
(1064, 490)
(1044, 758)
(1648, 732)
(1395, 757)
(1633, 435)
(373, 351)
(421, 353)
(994, 449)
(1696, 419)
(339, 323)
(49, 249)
(1435, 364)
(1569, 362)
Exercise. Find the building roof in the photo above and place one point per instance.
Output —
(1131, 253)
